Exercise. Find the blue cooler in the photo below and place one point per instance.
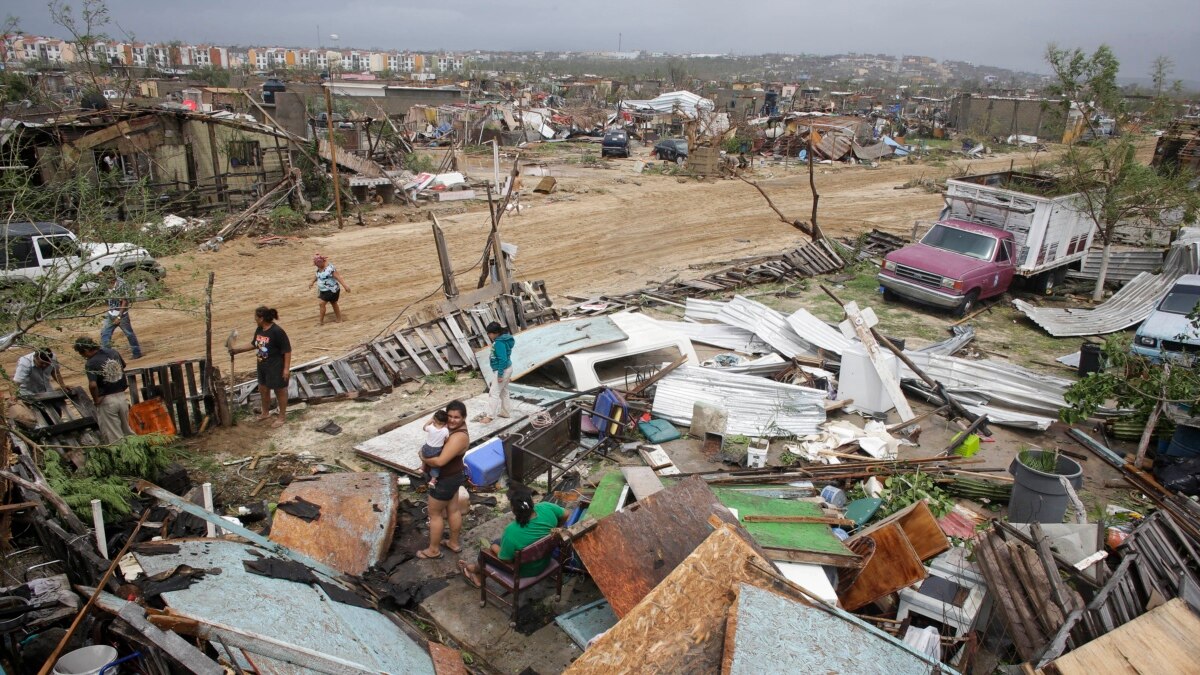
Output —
(485, 464)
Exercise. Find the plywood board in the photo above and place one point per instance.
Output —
(535, 347)
(893, 565)
(1162, 640)
(795, 542)
(354, 530)
(769, 633)
(919, 526)
(679, 626)
(400, 448)
(629, 552)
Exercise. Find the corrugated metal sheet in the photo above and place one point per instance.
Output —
(719, 335)
(1130, 305)
(993, 383)
(950, 346)
(684, 102)
(1122, 265)
(768, 324)
(814, 331)
(757, 406)
(703, 310)
(287, 611)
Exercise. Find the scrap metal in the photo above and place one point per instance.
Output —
(757, 406)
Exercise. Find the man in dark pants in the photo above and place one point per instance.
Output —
(106, 381)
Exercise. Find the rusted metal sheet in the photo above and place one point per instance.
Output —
(354, 530)
(629, 552)
(289, 613)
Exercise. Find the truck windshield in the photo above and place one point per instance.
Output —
(970, 244)
(1181, 300)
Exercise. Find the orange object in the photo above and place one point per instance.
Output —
(151, 417)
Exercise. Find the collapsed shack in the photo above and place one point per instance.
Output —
(174, 159)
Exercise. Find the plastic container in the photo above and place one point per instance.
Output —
(1185, 442)
(834, 496)
(1039, 497)
(756, 454)
(485, 464)
(150, 417)
(969, 447)
(85, 661)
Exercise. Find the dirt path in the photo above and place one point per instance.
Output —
(605, 230)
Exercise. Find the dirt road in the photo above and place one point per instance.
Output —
(605, 230)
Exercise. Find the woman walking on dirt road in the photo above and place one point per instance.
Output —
(274, 352)
(329, 286)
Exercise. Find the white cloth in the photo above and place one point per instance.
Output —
(435, 437)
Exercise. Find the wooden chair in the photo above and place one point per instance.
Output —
(505, 574)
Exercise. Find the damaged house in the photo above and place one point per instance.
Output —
(187, 161)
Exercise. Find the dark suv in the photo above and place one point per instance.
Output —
(615, 144)
(672, 150)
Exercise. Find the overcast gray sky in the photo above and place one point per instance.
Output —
(1011, 34)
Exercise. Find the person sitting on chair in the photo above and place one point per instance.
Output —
(532, 523)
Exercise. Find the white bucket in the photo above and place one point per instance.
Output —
(756, 454)
(85, 661)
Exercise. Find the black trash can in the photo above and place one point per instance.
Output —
(1091, 359)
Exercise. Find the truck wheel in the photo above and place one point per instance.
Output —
(1044, 283)
(143, 282)
(967, 305)
(890, 296)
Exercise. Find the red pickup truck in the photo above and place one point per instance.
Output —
(995, 227)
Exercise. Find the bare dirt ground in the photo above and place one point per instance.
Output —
(605, 230)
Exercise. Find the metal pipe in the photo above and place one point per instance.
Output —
(98, 524)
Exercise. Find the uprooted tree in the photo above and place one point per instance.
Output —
(1115, 189)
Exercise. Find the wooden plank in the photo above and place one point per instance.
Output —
(1161, 641)
(892, 565)
(460, 341)
(642, 481)
(446, 660)
(630, 552)
(412, 353)
(823, 520)
(332, 377)
(432, 348)
(919, 526)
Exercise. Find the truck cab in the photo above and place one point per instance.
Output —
(954, 266)
(1169, 333)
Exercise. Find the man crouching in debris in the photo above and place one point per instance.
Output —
(501, 363)
(106, 381)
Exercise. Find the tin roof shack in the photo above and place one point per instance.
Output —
(1006, 116)
(1179, 146)
(192, 162)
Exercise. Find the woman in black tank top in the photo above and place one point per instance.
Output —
(443, 497)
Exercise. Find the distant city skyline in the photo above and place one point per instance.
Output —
(1013, 37)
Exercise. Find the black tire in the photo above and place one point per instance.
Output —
(967, 305)
(890, 296)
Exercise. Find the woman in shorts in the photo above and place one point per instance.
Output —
(329, 286)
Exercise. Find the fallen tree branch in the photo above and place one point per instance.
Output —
(798, 224)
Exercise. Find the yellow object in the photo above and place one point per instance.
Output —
(969, 447)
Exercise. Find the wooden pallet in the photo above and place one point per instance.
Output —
(180, 385)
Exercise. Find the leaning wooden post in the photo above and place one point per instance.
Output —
(812, 185)
(337, 182)
(208, 357)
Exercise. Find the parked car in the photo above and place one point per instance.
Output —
(1168, 333)
(36, 250)
(671, 150)
(995, 228)
(615, 144)
(112, 94)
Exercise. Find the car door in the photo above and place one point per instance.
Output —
(58, 255)
(20, 258)
(1005, 268)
